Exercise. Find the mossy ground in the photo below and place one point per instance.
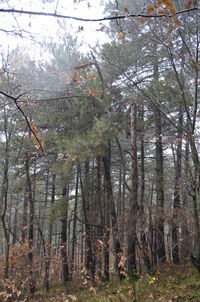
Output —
(170, 284)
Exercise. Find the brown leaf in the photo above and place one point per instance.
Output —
(170, 5)
(178, 23)
(189, 4)
(150, 9)
(142, 21)
(162, 12)
(121, 34)
(126, 10)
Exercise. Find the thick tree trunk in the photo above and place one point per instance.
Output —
(89, 257)
(111, 207)
(143, 222)
(132, 221)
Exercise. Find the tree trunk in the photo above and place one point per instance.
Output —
(111, 207)
(185, 242)
(74, 223)
(177, 193)
(132, 220)
(143, 222)
(48, 253)
(160, 237)
(106, 235)
(63, 251)
(90, 257)
(32, 282)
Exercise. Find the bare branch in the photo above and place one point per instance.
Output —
(24, 115)
(106, 18)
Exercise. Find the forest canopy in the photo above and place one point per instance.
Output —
(99, 168)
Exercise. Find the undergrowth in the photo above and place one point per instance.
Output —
(171, 283)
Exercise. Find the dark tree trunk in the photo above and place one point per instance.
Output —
(74, 223)
(63, 250)
(48, 249)
(143, 222)
(111, 207)
(185, 242)
(101, 219)
(4, 199)
(25, 213)
(160, 237)
(132, 221)
(90, 257)
(106, 235)
(177, 193)
(14, 240)
(32, 282)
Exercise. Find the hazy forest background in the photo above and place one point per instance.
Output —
(99, 166)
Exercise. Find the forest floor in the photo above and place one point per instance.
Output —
(171, 283)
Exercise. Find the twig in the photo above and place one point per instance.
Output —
(15, 99)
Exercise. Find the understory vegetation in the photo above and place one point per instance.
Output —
(171, 283)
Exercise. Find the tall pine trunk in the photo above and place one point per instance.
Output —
(49, 242)
(111, 208)
(32, 281)
(74, 223)
(132, 221)
(63, 250)
(160, 237)
(177, 193)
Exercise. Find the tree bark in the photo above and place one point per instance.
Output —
(63, 250)
(32, 281)
(143, 222)
(49, 242)
(111, 207)
(160, 237)
(90, 257)
(74, 222)
(132, 221)
(177, 193)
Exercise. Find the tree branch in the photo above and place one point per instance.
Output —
(108, 18)
(24, 115)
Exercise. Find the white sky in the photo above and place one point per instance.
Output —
(46, 27)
